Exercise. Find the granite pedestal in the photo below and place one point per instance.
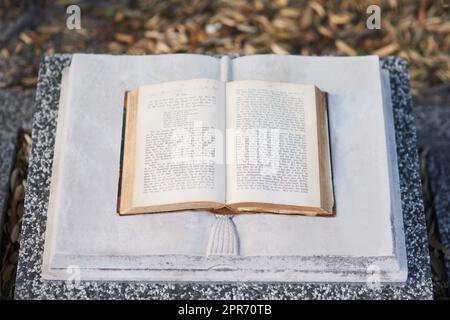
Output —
(30, 285)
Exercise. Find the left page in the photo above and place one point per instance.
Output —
(179, 148)
(85, 203)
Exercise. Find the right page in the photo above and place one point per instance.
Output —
(362, 225)
(272, 144)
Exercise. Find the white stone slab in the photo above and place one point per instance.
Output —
(83, 229)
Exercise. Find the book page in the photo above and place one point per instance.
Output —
(179, 145)
(272, 152)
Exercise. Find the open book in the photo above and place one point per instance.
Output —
(238, 146)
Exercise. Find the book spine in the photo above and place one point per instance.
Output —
(225, 69)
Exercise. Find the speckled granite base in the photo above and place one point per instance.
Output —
(30, 286)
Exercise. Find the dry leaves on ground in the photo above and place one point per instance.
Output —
(417, 30)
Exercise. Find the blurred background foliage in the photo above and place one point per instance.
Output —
(418, 30)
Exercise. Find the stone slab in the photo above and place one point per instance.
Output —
(366, 187)
(30, 285)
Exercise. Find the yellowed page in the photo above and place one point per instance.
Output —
(272, 144)
(179, 145)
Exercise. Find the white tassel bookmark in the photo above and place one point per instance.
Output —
(223, 238)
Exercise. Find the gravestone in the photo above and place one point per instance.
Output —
(31, 286)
